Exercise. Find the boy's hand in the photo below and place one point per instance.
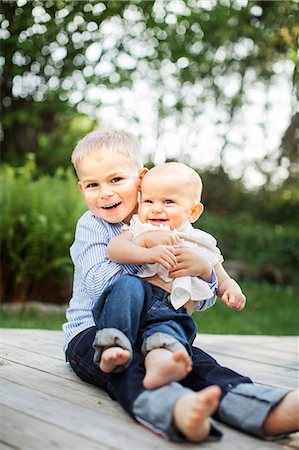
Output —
(153, 238)
(234, 299)
(189, 263)
(162, 254)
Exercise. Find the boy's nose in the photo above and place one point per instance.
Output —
(105, 192)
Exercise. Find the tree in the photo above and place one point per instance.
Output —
(55, 55)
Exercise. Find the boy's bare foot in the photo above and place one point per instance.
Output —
(284, 418)
(163, 366)
(113, 357)
(192, 412)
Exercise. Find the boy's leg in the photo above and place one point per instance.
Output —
(153, 408)
(117, 315)
(244, 405)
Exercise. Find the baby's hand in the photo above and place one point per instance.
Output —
(162, 254)
(234, 299)
(152, 238)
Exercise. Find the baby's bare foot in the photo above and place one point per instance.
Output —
(284, 418)
(165, 367)
(113, 357)
(192, 412)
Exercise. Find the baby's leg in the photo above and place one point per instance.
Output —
(284, 418)
(163, 366)
(112, 357)
(192, 412)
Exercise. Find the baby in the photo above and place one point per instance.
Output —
(170, 201)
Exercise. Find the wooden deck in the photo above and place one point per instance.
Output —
(45, 406)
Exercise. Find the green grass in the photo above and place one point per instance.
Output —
(270, 310)
(31, 318)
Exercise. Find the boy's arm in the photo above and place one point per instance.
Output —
(228, 289)
(191, 263)
(124, 250)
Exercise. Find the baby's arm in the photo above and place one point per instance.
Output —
(124, 250)
(228, 289)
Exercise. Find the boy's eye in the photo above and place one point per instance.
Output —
(116, 179)
(147, 201)
(168, 202)
(91, 185)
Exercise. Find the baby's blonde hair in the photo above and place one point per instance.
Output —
(99, 142)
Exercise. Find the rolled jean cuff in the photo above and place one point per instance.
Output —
(154, 409)
(111, 337)
(161, 340)
(247, 406)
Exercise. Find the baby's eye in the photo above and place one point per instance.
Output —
(116, 179)
(147, 201)
(91, 185)
(168, 202)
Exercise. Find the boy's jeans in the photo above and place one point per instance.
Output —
(134, 313)
(244, 405)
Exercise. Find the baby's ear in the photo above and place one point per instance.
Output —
(196, 212)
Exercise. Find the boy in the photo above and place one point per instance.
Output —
(102, 160)
(170, 200)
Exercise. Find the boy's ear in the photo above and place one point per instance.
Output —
(141, 175)
(80, 186)
(196, 212)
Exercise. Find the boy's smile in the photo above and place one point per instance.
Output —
(110, 186)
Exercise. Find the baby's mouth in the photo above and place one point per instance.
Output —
(115, 205)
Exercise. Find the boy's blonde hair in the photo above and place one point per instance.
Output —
(98, 142)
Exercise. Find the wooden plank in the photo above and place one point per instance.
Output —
(42, 412)
(260, 372)
(97, 426)
(44, 392)
(94, 398)
(30, 433)
(284, 353)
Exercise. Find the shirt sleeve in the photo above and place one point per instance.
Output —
(91, 260)
(209, 302)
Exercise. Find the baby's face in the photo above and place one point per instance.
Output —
(165, 201)
(110, 186)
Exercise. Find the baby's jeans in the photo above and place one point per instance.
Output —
(134, 313)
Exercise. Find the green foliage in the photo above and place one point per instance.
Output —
(37, 227)
(54, 54)
(270, 310)
(31, 318)
(264, 247)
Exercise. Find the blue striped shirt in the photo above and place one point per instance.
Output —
(94, 272)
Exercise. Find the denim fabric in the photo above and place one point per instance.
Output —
(111, 337)
(247, 406)
(121, 306)
(127, 388)
(140, 309)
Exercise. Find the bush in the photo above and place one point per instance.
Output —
(37, 227)
(260, 245)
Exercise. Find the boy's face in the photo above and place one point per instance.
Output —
(165, 201)
(110, 186)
